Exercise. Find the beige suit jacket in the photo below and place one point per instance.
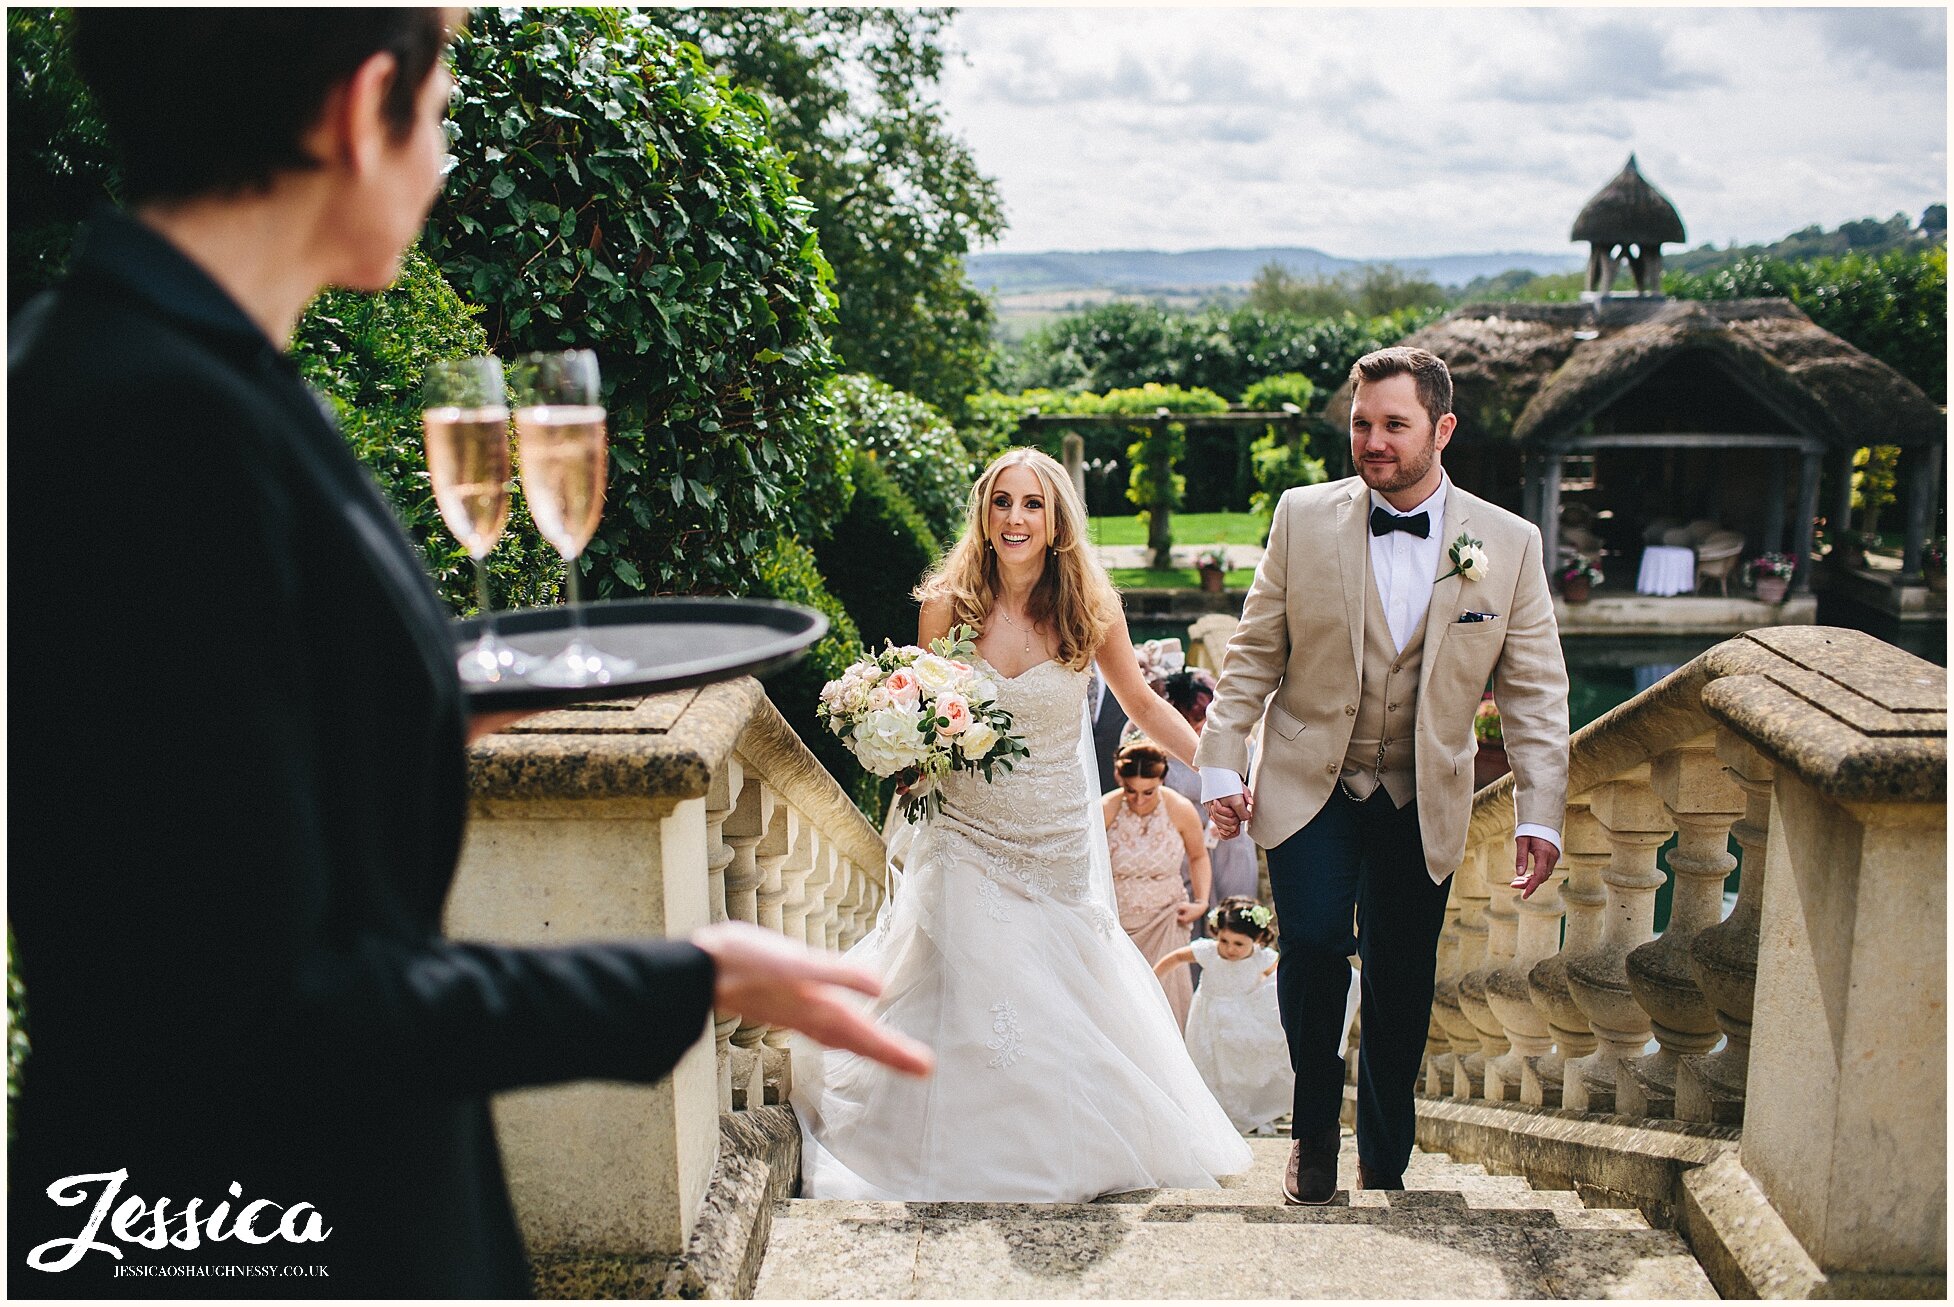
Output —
(1299, 648)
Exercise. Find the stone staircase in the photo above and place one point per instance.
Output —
(1456, 1232)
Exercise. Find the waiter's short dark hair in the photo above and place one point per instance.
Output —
(215, 101)
(1426, 369)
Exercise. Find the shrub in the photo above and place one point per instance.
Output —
(1280, 464)
(787, 571)
(613, 192)
(914, 446)
(367, 353)
(877, 554)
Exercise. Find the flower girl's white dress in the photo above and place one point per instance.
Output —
(1234, 1035)
(1061, 1074)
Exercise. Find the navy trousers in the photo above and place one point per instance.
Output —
(1369, 857)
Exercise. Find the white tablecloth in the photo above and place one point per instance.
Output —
(1667, 570)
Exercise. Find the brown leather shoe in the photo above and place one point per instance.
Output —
(1310, 1180)
(1368, 1179)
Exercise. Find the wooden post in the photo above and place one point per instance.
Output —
(1923, 504)
(1550, 470)
(1801, 526)
(1774, 504)
(1075, 462)
(1842, 493)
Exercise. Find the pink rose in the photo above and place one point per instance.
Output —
(902, 687)
(955, 710)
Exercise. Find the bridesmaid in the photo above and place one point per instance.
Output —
(1149, 831)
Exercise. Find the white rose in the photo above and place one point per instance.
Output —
(981, 690)
(979, 740)
(1472, 563)
(934, 674)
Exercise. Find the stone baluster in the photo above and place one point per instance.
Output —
(1702, 803)
(829, 912)
(806, 870)
(1637, 828)
(1438, 1044)
(1467, 1064)
(746, 826)
(727, 780)
(1577, 884)
(1501, 923)
(1536, 938)
(848, 908)
(1723, 957)
(771, 855)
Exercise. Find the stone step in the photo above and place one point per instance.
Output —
(1454, 1232)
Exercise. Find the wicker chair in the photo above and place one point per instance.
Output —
(1717, 557)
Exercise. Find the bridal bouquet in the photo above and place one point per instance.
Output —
(918, 715)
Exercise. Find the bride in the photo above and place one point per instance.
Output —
(1061, 1074)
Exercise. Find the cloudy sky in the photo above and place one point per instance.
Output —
(1397, 131)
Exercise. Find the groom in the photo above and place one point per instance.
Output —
(1383, 605)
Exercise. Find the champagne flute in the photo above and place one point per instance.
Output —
(563, 460)
(465, 433)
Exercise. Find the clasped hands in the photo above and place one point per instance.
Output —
(1533, 857)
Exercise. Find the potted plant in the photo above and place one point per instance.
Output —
(1933, 561)
(1578, 578)
(1770, 576)
(1489, 764)
(1214, 569)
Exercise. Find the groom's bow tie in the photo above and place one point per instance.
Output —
(1384, 522)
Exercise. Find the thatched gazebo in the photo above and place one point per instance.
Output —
(1654, 409)
(1629, 215)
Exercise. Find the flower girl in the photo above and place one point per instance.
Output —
(1234, 1031)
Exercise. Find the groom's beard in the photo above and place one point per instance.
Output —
(1398, 474)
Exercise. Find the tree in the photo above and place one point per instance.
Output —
(611, 191)
(898, 200)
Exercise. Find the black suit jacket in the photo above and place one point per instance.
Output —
(1106, 728)
(238, 789)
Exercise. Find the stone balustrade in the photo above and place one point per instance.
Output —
(651, 816)
(1814, 1015)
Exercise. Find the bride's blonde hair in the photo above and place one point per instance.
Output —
(1074, 597)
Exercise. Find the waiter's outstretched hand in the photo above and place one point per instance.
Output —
(769, 978)
(1542, 854)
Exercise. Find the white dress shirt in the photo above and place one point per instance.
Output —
(1404, 568)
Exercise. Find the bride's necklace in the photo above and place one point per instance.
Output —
(1014, 626)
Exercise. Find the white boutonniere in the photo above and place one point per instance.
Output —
(1468, 559)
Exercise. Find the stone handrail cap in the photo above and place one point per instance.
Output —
(1852, 716)
(657, 746)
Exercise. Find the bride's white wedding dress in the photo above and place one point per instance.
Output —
(1061, 1074)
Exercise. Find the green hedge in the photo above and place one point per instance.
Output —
(787, 571)
(612, 192)
(914, 444)
(877, 554)
(367, 353)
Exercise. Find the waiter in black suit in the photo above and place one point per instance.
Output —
(239, 784)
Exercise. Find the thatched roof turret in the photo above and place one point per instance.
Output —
(1629, 211)
(1536, 373)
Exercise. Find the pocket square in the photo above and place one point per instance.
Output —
(1476, 617)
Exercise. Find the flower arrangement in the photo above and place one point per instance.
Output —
(918, 715)
(1772, 565)
(1485, 722)
(1579, 568)
(1212, 559)
(1159, 659)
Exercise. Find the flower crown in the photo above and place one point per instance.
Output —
(1259, 916)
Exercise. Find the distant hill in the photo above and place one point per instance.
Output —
(1141, 271)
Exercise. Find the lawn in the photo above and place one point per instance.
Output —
(1189, 529)
(1173, 578)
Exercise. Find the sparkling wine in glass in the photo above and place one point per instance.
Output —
(562, 448)
(465, 432)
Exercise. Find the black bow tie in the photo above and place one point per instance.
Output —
(1384, 522)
